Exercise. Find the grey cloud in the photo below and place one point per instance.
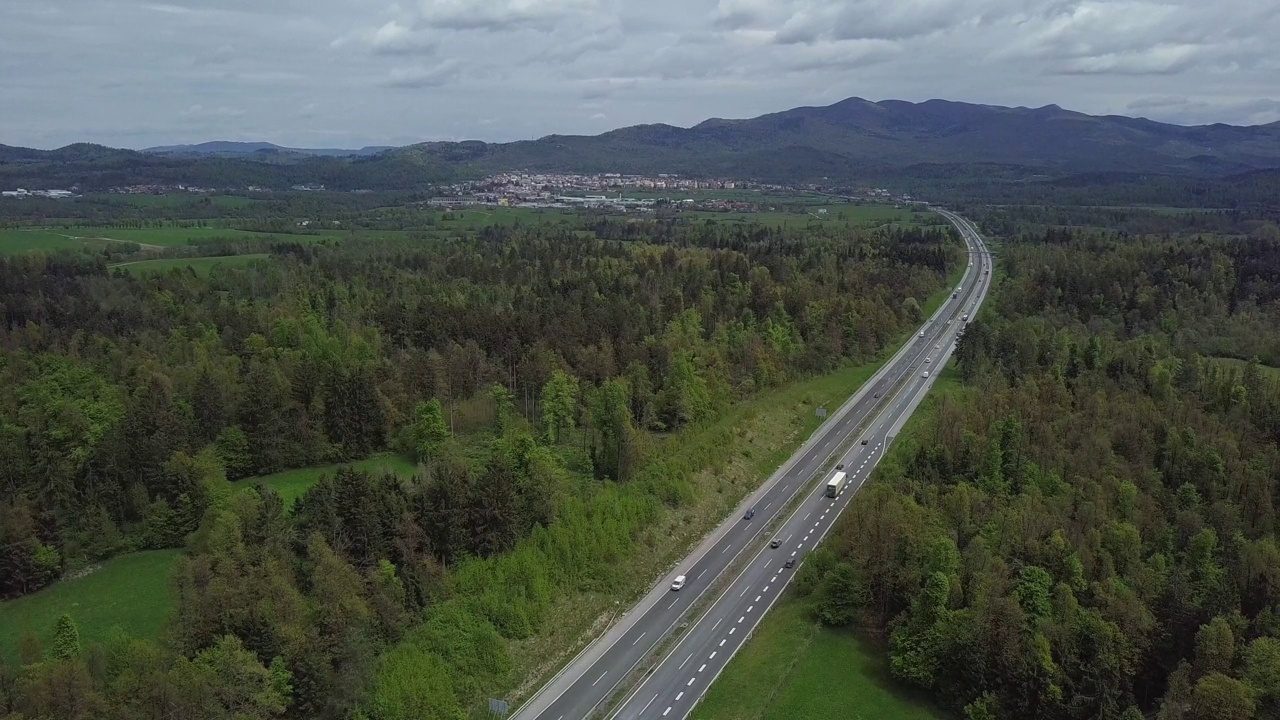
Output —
(498, 15)
(296, 72)
(418, 76)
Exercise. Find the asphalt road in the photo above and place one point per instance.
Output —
(675, 685)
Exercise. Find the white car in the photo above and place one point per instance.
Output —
(926, 374)
(921, 333)
(928, 360)
(678, 583)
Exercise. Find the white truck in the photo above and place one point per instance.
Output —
(835, 484)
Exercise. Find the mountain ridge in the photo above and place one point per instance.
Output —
(852, 139)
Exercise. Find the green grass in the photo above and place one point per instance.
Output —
(1238, 364)
(14, 242)
(75, 237)
(794, 668)
(291, 484)
(129, 593)
(202, 266)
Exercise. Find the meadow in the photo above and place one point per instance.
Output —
(292, 484)
(200, 265)
(128, 594)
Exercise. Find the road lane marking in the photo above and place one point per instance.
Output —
(773, 579)
(690, 682)
(633, 642)
(713, 627)
(673, 603)
(744, 617)
(793, 554)
(744, 591)
(646, 705)
(606, 672)
(766, 589)
(685, 661)
(713, 655)
(678, 696)
(721, 644)
(757, 598)
(700, 574)
(731, 630)
(726, 549)
(664, 712)
(704, 667)
(750, 608)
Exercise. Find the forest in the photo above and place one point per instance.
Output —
(530, 371)
(1087, 526)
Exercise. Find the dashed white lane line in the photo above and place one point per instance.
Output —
(731, 630)
(673, 603)
(766, 589)
(757, 598)
(606, 672)
(744, 617)
(678, 696)
(773, 579)
(685, 661)
(750, 608)
(633, 642)
(646, 705)
(713, 627)
(793, 554)
(704, 667)
(713, 655)
(699, 575)
(690, 682)
(664, 712)
(721, 644)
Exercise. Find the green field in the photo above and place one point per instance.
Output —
(14, 242)
(201, 265)
(22, 240)
(291, 484)
(794, 668)
(129, 593)
(1266, 370)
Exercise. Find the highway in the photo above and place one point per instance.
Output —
(675, 684)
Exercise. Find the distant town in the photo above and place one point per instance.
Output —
(610, 191)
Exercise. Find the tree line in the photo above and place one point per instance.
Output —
(532, 372)
(1096, 537)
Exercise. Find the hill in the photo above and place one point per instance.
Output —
(859, 137)
(853, 139)
(222, 147)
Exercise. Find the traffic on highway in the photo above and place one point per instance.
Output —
(854, 436)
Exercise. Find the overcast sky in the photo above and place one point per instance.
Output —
(348, 73)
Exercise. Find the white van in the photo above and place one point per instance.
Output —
(679, 582)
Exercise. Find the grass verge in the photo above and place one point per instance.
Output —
(129, 594)
(795, 668)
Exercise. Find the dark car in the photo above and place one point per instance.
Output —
(864, 441)
(750, 513)
(877, 394)
(791, 562)
(840, 466)
(775, 543)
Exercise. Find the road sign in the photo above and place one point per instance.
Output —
(821, 412)
(499, 707)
